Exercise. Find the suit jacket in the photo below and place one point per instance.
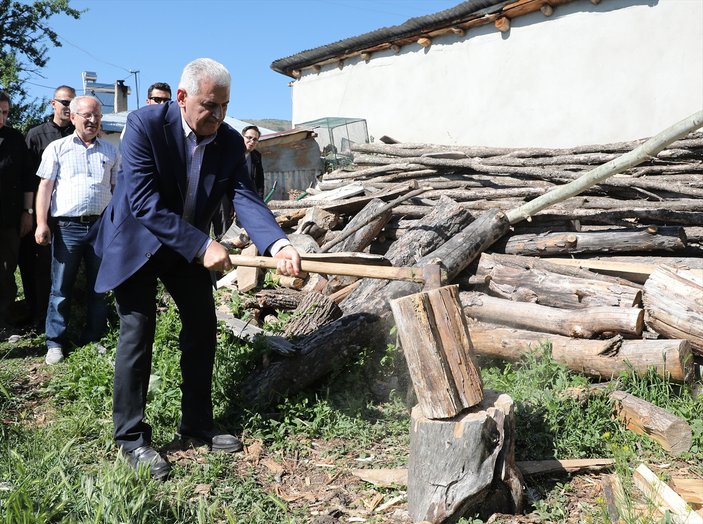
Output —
(146, 209)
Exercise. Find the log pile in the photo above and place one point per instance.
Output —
(611, 278)
(572, 275)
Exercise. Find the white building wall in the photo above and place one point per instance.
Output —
(588, 74)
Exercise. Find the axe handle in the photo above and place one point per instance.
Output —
(413, 274)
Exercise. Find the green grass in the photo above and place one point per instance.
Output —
(68, 470)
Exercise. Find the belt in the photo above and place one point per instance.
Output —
(85, 219)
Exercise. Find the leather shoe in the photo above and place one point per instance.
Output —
(215, 439)
(159, 469)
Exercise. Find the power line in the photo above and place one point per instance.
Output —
(92, 55)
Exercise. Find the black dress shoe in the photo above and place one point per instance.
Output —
(215, 439)
(159, 469)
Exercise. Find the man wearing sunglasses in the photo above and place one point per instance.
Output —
(158, 93)
(35, 260)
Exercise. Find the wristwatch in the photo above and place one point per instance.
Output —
(29, 210)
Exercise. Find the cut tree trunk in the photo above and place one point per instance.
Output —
(438, 351)
(671, 432)
(581, 323)
(597, 358)
(313, 311)
(465, 465)
(673, 299)
(613, 241)
(526, 279)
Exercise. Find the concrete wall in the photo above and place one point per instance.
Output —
(621, 70)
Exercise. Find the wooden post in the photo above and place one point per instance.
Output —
(438, 351)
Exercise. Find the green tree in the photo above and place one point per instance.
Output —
(25, 37)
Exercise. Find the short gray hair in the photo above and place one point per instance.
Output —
(73, 106)
(201, 69)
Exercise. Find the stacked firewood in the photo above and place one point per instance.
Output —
(603, 313)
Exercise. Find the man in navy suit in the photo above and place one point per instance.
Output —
(178, 161)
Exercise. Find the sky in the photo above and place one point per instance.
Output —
(114, 38)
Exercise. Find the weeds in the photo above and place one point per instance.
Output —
(69, 471)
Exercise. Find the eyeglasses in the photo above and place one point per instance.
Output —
(64, 103)
(90, 116)
(252, 138)
(159, 99)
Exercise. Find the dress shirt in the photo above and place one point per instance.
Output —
(83, 175)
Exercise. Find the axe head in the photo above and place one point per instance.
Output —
(433, 275)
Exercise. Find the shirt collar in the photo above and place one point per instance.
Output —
(97, 140)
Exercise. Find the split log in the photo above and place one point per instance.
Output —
(247, 277)
(568, 466)
(438, 351)
(612, 241)
(602, 359)
(671, 432)
(313, 311)
(465, 465)
(581, 323)
(691, 490)
(663, 495)
(526, 279)
(673, 300)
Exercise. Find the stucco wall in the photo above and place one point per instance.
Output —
(621, 70)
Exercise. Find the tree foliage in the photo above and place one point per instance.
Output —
(25, 39)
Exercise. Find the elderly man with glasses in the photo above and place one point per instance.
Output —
(78, 175)
(35, 260)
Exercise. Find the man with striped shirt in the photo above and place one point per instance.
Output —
(78, 175)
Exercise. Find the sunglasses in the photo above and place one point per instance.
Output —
(159, 99)
(64, 103)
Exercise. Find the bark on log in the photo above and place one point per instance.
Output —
(610, 241)
(465, 465)
(673, 300)
(670, 431)
(647, 150)
(361, 229)
(527, 279)
(322, 351)
(603, 359)
(438, 351)
(427, 234)
(279, 298)
(313, 311)
(581, 323)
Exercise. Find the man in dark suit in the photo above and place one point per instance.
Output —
(178, 161)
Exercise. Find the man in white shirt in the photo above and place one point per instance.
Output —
(78, 175)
